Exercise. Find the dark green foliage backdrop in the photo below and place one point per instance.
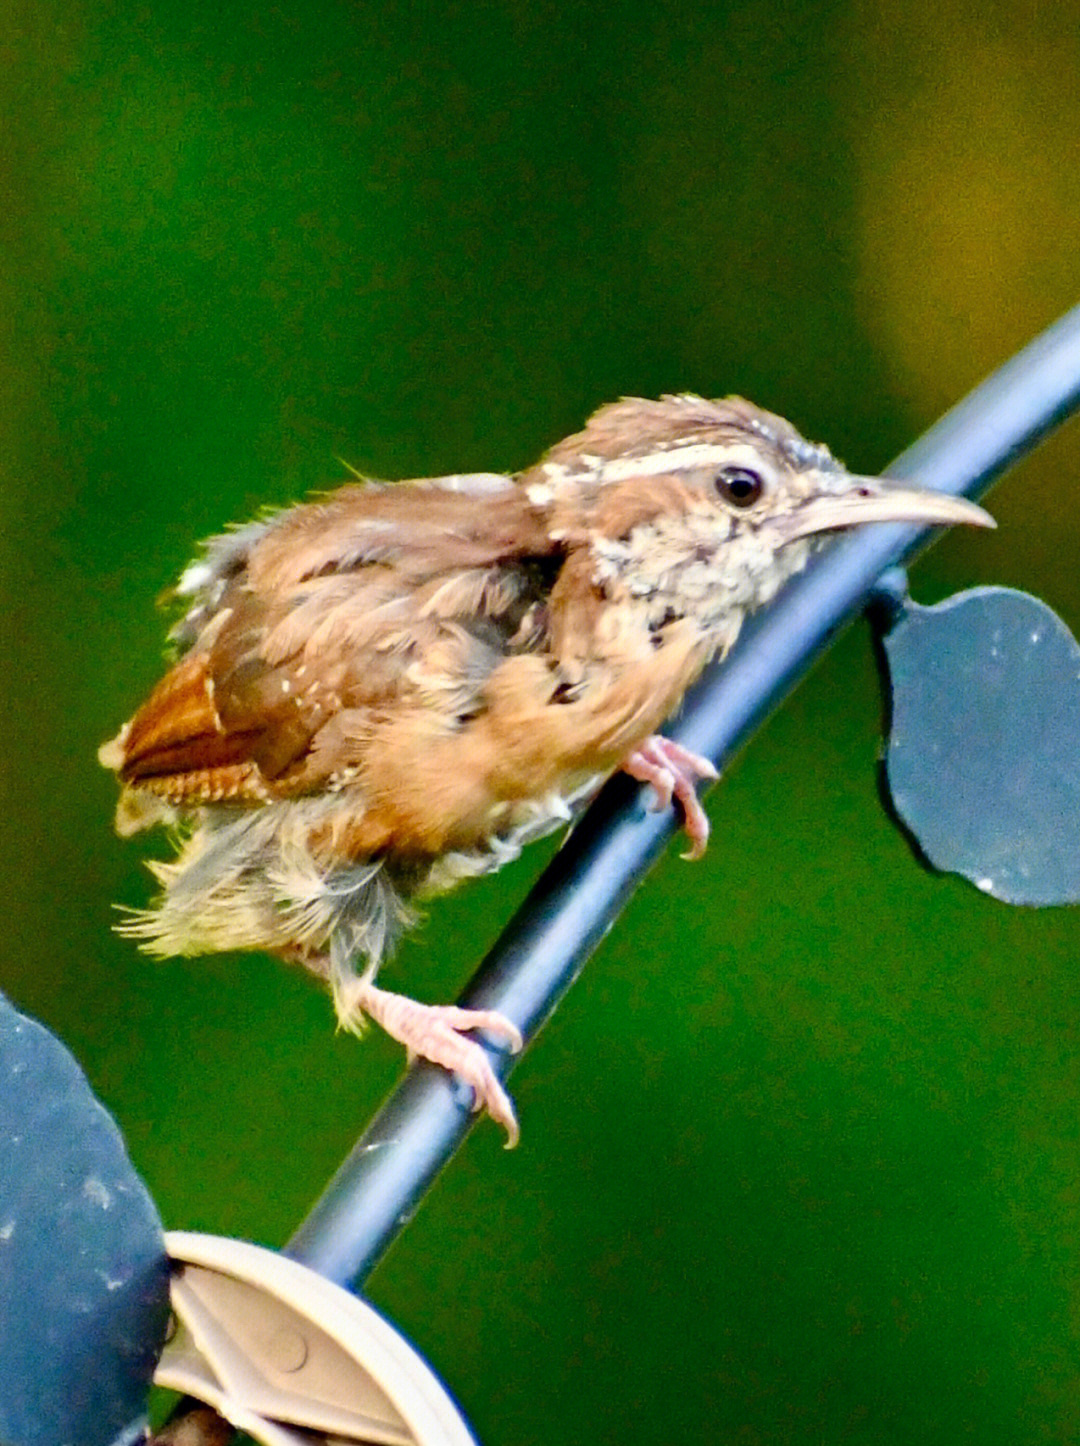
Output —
(800, 1157)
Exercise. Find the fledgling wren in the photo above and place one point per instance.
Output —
(393, 688)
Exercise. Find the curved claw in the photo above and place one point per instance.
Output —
(437, 1032)
(672, 771)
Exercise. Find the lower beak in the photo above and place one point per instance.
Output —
(878, 499)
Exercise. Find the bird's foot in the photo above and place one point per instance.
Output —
(435, 1032)
(673, 772)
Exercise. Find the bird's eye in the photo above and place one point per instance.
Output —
(740, 486)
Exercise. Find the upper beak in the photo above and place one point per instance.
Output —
(879, 499)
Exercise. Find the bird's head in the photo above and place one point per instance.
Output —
(708, 507)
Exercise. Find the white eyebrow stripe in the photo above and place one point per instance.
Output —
(696, 454)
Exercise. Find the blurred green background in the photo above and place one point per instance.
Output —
(800, 1157)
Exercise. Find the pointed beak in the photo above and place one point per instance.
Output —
(878, 499)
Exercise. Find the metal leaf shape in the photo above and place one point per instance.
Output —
(83, 1274)
(983, 760)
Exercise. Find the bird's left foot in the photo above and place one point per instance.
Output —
(673, 772)
(437, 1032)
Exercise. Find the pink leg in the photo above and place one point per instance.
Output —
(434, 1032)
(673, 772)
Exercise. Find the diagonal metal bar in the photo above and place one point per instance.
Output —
(579, 896)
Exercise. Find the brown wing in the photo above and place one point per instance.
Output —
(305, 629)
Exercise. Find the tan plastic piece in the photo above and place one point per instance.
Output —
(293, 1359)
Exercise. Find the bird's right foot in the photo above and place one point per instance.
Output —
(673, 772)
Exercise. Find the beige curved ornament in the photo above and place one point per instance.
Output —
(292, 1359)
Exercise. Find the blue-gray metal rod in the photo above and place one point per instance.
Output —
(579, 896)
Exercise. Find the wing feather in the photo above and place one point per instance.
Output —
(305, 627)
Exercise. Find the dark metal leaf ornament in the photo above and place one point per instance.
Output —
(983, 759)
(83, 1276)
